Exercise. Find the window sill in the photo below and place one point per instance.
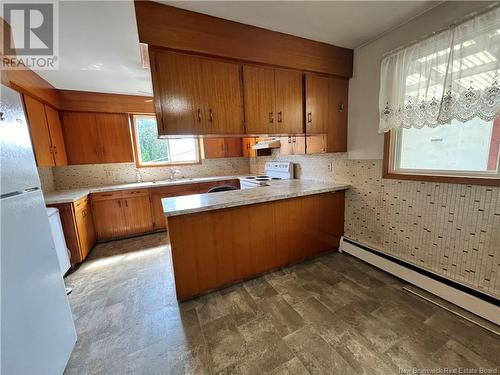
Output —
(443, 179)
(168, 165)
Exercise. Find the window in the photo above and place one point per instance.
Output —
(151, 151)
(439, 105)
(454, 149)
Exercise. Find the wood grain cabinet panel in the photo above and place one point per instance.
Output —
(293, 145)
(326, 109)
(109, 219)
(39, 129)
(222, 148)
(56, 136)
(289, 108)
(222, 98)
(122, 214)
(82, 138)
(316, 144)
(46, 133)
(338, 98)
(94, 138)
(247, 147)
(232, 244)
(259, 94)
(138, 215)
(317, 103)
(78, 228)
(196, 95)
(115, 137)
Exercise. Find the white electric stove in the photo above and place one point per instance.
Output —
(275, 171)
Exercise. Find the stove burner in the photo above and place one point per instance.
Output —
(276, 178)
(262, 178)
(250, 178)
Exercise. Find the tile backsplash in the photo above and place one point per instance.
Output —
(46, 178)
(77, 176)
(450, 229)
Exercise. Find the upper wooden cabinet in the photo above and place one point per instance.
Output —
(273, 100)
(326, 109)
(222, 148)
(196, 95)
(46, 133)
(93, 138)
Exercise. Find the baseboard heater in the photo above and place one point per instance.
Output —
(476, 302)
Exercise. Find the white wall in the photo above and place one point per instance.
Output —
(364, 142)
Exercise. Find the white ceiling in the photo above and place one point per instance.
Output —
(99, 46)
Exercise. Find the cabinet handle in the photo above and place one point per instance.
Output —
(54, 150)
(294, 139)
(341, 107)
(309, 116)
(126, 203)
(271, 117)
(280, 116)
(289, 139)
(199, 114)
(211, 115)
(120, 204)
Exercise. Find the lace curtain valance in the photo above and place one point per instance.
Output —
(451, 75)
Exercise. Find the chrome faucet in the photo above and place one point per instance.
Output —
(173, 172)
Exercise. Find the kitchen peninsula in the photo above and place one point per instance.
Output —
(220, 238)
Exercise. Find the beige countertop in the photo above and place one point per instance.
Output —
(68, 196)
(188, 204)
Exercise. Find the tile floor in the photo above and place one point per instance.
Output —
(331, 315)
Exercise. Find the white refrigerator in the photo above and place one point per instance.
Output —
(37, 332)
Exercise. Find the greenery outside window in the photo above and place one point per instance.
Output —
(150, 151)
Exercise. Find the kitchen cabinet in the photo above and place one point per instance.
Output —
(121, 214)
(326, 101)
(78, 228)
(46, 133)
(247, 147)
(196, 95)
(222, 147)
(316, 144)
(273, 100)
(283, 232)
(94, 138)
(293, 145)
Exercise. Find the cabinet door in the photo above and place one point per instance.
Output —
(81, 137)
(289, 108)
(39, 130)
(214, 148)
(232, 147)
(85, 227)
(56, 136)
(115, 138)
(317, 104)
(316, 144)
(338, 98)
(299, 145)
(248, 143)
(286, 147)
(177, 92)
(222, 98)
(138, 216)
(109, 220)
(259, 94)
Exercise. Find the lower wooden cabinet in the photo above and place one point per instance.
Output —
(121, 214)
(293, 145)
(257, 238)
(78, 227)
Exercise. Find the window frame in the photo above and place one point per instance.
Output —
(135, 145)
(434, 176)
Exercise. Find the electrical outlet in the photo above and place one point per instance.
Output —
(330, 167)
